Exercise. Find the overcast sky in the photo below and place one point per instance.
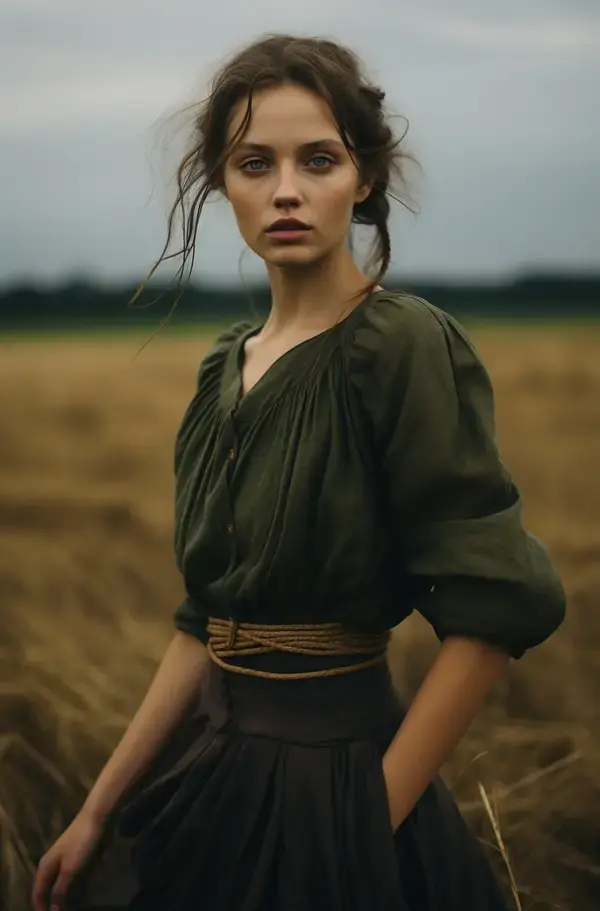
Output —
(503, 99)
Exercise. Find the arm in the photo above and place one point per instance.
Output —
(175, 685)
(455, 526)
(461, 676)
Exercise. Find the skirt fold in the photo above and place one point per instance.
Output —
(285, 809)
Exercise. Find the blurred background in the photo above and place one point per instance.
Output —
(502, 101)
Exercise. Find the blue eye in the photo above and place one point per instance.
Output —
(251, 161)
(255, 165)
(324, 158)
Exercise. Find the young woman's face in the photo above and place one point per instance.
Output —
(291, 163)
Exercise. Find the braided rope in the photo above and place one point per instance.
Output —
(230, 638)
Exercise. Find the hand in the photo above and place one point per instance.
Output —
(63, 861)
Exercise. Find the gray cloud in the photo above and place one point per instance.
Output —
(502, 102)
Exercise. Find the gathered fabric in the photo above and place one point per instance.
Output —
(272, 797)
(360, 480)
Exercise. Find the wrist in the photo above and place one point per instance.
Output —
(96, 815)
(401, 801)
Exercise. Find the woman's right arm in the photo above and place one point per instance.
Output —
(172, 692)
(174, 687)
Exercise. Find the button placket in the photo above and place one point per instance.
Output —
(231, 456)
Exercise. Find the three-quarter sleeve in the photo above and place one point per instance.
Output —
(455, 514)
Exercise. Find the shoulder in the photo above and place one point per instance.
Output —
(398, 333)
(225, 340)
(201, 409)
(213, 361)
(393, 312)
(406, 355)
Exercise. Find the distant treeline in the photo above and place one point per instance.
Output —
(85, 303)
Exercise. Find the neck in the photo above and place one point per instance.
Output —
(311, 298)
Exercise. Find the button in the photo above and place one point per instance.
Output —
(229, 529)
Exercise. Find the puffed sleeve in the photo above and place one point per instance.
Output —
(188, 619)
(455, 512)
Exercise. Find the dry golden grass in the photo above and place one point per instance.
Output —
(87, 586)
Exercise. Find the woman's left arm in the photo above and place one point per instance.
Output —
(460, 552)
(458, 681)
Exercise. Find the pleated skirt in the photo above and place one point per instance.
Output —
(271, 797)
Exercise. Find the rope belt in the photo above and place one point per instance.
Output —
(230, 638)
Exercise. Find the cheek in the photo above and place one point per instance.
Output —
(337, 202)
(245, 203)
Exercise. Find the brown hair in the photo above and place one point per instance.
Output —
(332, 71)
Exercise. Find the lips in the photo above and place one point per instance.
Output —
(287, 224)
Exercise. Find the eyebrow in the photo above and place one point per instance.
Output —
(305, 147)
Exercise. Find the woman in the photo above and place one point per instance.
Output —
(335, 470)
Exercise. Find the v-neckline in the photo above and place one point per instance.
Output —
(241, 360)
(240, 354)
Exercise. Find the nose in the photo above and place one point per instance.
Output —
(286, 191)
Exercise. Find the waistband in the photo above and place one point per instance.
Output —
(233, 639)
(317, 711)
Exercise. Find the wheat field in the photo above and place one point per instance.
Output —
(87, 587)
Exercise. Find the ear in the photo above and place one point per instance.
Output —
(362, 191)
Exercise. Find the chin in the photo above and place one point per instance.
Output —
(293, 255)
(291, 258)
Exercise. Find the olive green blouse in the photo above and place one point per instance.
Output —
(357, 481)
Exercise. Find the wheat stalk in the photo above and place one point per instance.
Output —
(501, 845)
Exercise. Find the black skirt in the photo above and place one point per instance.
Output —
(272, 798)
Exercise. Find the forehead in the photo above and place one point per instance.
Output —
(285, 116)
